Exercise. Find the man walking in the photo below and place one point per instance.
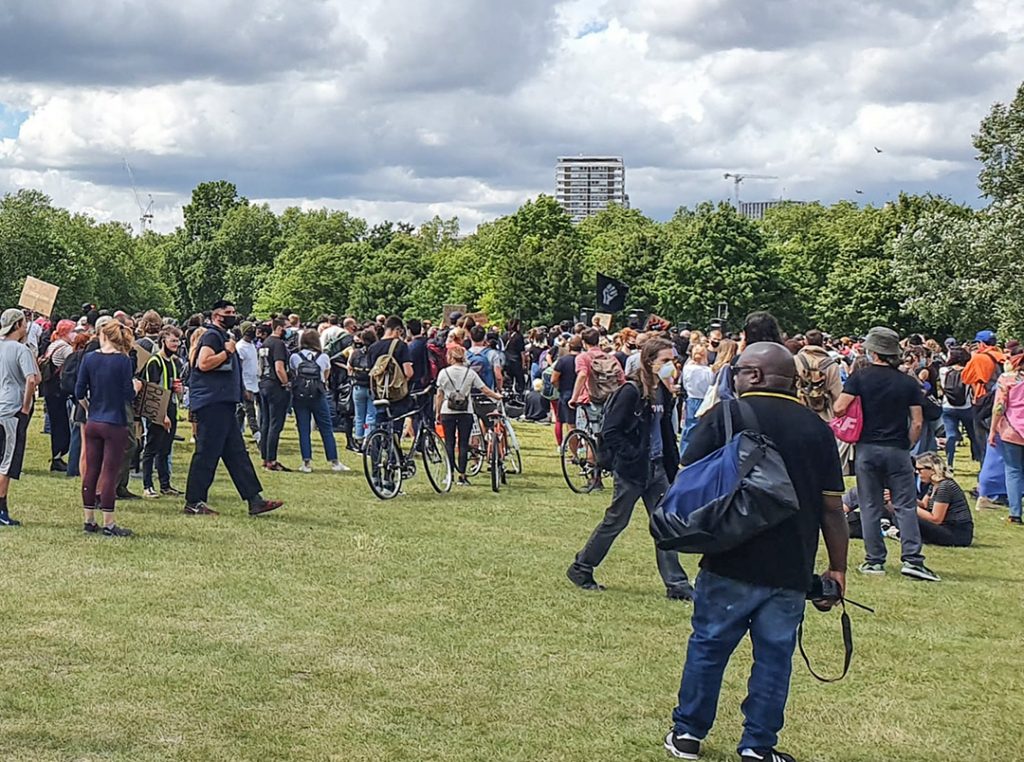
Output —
(19, 378)
(215, 389)
(275, 393)
(760, 586)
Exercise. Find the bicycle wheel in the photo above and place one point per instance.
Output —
(513, 460)
(579, 459)
(495, 461)
(477, 454)
(435, 461)
(382, 464)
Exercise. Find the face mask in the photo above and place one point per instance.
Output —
(229, 321)
(714, 344)
(666, 371)
(289, 332)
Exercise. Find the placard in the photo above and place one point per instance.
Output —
(152, 402)
(142, 356)
(38, 296)
(449, 309)
(604, 320)
(480, 318)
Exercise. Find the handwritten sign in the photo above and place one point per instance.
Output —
(151, 402)
(38, 296)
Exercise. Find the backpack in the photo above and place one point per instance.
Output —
(49, 375)
(550, 391)
(69, 372)
(812, 384)
(603, 379)
(955, 390)
(387, 380)
(437, 359)
(983, 407)
(458, 400)
(481, 363)
(308, 385)
(360, 361)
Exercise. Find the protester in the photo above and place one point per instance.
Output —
(454, 408)
(957, 410)
(598, 376)
(889, 399)
(215, 391)
(311, 369)
(248, 356)
(106, 385)
(760, 326)
(1007, 429)
(515, 362)
(943, 515)
(162, 369)
(760, 586)
(981, 374)
(535, 407)
(638, 433)
(818, 379)
(19, 378)
(697, 380)
(563, 378)
(359, 365)
(275, 393)
(389, 358)
(55, 398)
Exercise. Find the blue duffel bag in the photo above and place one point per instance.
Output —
(729, 496)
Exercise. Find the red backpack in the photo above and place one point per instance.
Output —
(437, 359)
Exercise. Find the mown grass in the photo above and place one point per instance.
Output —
(443, 628)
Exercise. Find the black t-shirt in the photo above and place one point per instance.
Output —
(273, 350)
(886, 396)
(784, 555)
(566, 366)
(948, 491)
(381, 347)
(535, 353)
(420, 365)
(514, 348)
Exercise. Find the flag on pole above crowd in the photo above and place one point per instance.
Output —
(611, 294)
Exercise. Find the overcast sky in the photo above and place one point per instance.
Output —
(403, 109)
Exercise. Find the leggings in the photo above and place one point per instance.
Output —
(463, 424)
(105, 446)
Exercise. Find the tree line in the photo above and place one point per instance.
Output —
(919, 263)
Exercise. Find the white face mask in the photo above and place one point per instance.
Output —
(666, 371)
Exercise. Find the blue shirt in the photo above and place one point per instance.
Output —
(223, 383)
(106, 380)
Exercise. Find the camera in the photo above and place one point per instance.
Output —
(824, 592)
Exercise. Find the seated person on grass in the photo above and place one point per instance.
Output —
(943, 513)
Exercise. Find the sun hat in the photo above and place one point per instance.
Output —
(882, 341)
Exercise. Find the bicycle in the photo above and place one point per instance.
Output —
(386, 466)
(501, 446)
(578, 454)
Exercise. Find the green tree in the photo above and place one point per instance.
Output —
(625, 244)
(388, 277)
(1000, 145)
(248, 241)
(315, 281)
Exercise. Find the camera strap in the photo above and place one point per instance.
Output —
(847, 643)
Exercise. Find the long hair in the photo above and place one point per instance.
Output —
(118, 335)
(644, 375)
(193, 349)
(726, 352)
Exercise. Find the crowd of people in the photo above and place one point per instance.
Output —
(658, 399)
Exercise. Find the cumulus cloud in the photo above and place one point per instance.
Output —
(397, 109)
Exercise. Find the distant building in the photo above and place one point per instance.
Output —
(584, 185)
(755, 210)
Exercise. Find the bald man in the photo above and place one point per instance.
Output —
(760, 587)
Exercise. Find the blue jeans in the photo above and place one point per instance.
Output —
(692, 406)
(951, 421)
(320, 411)
(74, 450)
(878, 467)
(724, 610)
(927, 442)
(365, 412)
(1013, 462)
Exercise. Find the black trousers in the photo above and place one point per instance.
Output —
(462, 424)
(60, 424)
(158, 448)
(274, 403)
(218, 438)
(246, 414)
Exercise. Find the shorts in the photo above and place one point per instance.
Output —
(13, 435)
(565, 413)
(590, 418)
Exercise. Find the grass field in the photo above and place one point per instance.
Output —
(441, 627)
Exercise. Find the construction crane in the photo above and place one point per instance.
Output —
(738, 178)
(145, 212)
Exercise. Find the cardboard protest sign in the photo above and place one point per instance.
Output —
(480, 318)
(604, 320)
(151, 402)
(38, 296)
(142, 356)
(449, 309)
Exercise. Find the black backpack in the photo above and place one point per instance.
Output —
(309, 384)
(69, 372)
(954, 389)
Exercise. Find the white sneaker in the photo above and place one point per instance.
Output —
(150, 493)
(305, 468)
(339, 467)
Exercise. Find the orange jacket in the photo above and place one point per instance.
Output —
(985, 365)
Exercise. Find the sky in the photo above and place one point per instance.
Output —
(403, 109)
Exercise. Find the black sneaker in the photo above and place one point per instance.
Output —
(170, 491)
(767, 755)
(582, 579)
(126, 495)
(58, 465)
(88, 528)
(264, 506)
(115, 531)
(7, 521)
(199, 509)
(1015, 520)
(682, 746)
(919, 571)
(681, 592)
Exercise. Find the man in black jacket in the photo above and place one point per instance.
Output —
(760, 587)
(638, 430)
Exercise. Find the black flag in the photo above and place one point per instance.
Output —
(611, 294)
